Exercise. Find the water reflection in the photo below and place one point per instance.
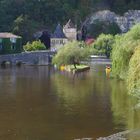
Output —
(39, 103)
(124, 107)
(85, 99)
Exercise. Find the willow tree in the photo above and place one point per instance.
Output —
(71, 54)
(123, 50)
(134, 73)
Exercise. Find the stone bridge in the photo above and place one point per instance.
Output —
(28, 58)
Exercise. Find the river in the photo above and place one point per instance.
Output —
(41, 103)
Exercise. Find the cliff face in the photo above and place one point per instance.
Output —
(124, 22)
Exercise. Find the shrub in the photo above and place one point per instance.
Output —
(35, 45)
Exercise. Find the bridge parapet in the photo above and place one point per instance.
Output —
(28, 58)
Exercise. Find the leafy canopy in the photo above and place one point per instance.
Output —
(133, 79)
(123, 50)
(71, 53)
(99, 27)
(104, 43)
(44, 14)
(34, 46)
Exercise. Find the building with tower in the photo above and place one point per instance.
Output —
(70, 31)
(58, 38)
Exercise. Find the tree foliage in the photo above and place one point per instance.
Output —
(27, 16)
(121, 6)
(134, 72)
(71, 53)
(25, 27)
(99, 27)
(123, 50)
(104, 43)
(34, 46)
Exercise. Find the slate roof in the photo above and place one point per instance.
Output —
(69, 24)
(8, 35)
(58, 33)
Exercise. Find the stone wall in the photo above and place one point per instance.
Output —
(125, 22)
(28, 58)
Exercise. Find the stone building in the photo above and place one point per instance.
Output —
(70, 31)
(10, 43)
(58, 38)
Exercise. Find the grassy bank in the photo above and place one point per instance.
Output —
(79, 68)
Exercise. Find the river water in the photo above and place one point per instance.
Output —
(41, 103)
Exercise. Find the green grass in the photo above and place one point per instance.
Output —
(79, 68)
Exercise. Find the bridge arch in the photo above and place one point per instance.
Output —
(5, 62)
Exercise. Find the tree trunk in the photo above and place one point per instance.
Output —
(74, 65)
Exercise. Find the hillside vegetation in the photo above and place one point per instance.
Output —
(25, 17)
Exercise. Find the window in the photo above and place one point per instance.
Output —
(0, 40)
(13, 40)
(13, 46)
(61, 41)
(0, 44)
(53, 42)
(57, 41)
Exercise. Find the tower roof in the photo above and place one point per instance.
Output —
(69, 24)
(58, 33)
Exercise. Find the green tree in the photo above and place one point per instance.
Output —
(25, 27)
(45, 14)
(104, 43)
(133, 79)
(71, 53)
(121, 6)
(99, 27)
(123, 50)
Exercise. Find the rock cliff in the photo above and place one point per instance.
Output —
(125, 22)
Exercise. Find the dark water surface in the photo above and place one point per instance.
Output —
(39, 103)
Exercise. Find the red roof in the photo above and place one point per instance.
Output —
(8, 35)
(89, 41)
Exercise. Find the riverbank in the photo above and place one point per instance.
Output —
(117, 136)
(125, 135)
